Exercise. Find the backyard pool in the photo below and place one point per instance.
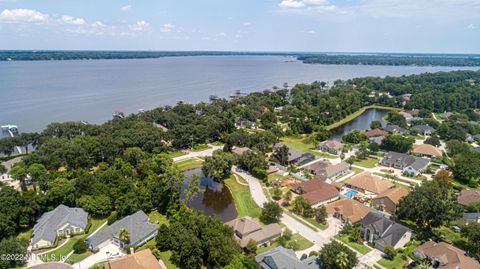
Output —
(351, 193)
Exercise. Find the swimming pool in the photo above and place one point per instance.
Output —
(351, 193)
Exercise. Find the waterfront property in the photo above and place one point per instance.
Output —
(331, 146)
(347, 210)
(143, 259)
(376, 132)
(294, 156)
(281, 257)
(410, 165)
(61, 222)
(445, 256)
(139, 228)
(381, 231)
(395, 129)
(316, 192)
(247, 229)
(388, 200)
(369, 184)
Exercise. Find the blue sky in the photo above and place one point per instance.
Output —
(246, 25)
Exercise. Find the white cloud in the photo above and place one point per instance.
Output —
(221, 34)
(310, 32)
(246, 23)
(471, 26)
(167, 28)
(98, 24)
(291, 4)
(126, 8)
(139, 26)
(73, 21)
(23, 15)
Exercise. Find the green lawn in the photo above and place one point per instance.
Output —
(299, 144)
(165, 256)
(358, 247)
(301, 243)
(60, 253)
(243, 199)
(396, 263)
(157, 218)
(189, 164)
(275, 176)
(177, 153)
(367, 163)
(95, 224)
(311, 223)
(449, 236)
(78, 257)
(25, 235)
(200, 148)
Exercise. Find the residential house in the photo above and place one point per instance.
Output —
(282, 258)
(376, 132)
(389, 199)
(395, 129)
(9, 164)
(427, 150)
(406, 115)
(446, 115)
(327, 171)
(376, 139)
(331, 146)
(407, 97)
(316, 191)
(347, 210)
(62, 221)
(445, 256)
(137, 225)
(468, 197)
(410, 165)
(143, 259)
(247, 229)
(381, 231)
(294, 156)
(468, 218)
(240, 150)
(369, 184)
(423, 129)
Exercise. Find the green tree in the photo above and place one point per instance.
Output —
(472, 233)
(321, 214)
(251, 248)
(99, 205)
(433, 140)
(19, 172)
(397, 143)
(13, 247)
(390, 252)
(334, 255)
(467, 168)
(375, 125)
(354, 137)
(3, 169)
(124, 236)
(271, 213)
(303, 207)
(281, 155)
(394, 117)
(80, 246)
(219, 166)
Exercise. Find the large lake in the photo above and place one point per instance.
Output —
(33, 94)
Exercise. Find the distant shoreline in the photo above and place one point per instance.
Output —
(329, 58)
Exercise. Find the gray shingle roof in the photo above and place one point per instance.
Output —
(395, 129)
(419, 164)
(423, 128)
(137, 225)
(390, 231)
(282, 258)
(47, 226)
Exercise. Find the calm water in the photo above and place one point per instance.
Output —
(360, 123)
(33, 94)
(215, 200)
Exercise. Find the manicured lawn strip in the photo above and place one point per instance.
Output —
(96, 223)
(356, 114)
(189, 164)
(25, 235)
(165, 256)
(302, 220)
(177, 153)
(299, 144)
(200, 148)
(302, 242)
(78, 257)
(367, 163)
(358, 247)
(396, 263)
(60, 253)
(317, 224)
(244, 202)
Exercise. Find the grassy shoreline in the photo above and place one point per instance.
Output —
(357, 113)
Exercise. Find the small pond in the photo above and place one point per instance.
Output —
(215, 200)
(360, 123)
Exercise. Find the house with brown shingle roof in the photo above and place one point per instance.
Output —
(143, 259)
(316, 192)
(468, 197)
(427, 150)
(368, 183)
(331, 146)
(347, 210)
(247, 229)
(376, 132)
(445, 256)
(389, 199)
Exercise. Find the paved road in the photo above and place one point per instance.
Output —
(203, 153)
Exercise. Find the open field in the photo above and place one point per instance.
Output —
(243, 199)
(190, 164)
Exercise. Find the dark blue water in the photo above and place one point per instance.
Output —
(360, 123)
(33, 94)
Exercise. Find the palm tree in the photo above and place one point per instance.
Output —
(124, 236)
(342, 260)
